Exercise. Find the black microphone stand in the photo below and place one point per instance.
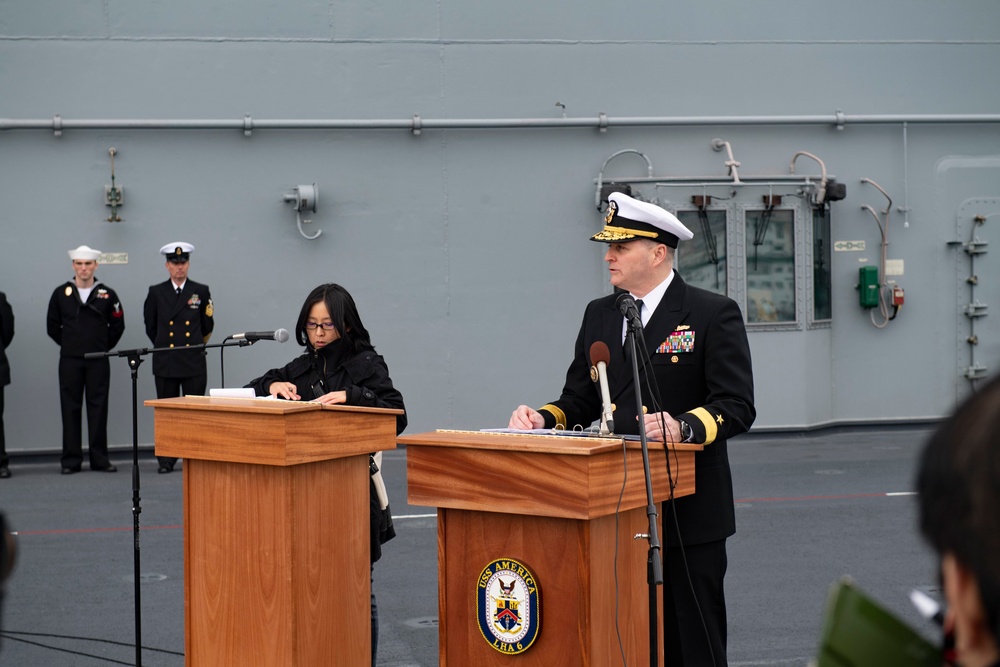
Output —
(222, 363)
(654, 562)
(134, 358)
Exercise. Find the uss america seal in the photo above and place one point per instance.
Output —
(507, 606)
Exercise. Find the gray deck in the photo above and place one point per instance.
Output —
(810, 508)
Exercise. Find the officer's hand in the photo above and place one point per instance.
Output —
(283, 390)
(525, 418)
(658, 421)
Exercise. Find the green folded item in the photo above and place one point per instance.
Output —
(858, 632)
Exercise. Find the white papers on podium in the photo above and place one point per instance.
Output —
(585, 433)
(234, 392)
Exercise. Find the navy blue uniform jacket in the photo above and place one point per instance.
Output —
(700, 358)
(6, 335)
(78, 327)
(177, 320)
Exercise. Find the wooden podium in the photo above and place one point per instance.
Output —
(550, 503)
(276, 523)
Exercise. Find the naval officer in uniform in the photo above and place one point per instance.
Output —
(84, 316)
(178, 313)
(699, 363)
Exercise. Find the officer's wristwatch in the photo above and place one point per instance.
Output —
(685, 431)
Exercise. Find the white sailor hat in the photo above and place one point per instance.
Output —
(85, 253)
(629, 219)
(177, 251)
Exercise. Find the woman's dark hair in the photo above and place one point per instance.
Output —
(343, 312)
(959, 485)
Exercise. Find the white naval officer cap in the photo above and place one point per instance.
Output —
(629, 219)
(178, 251)
(85, 253)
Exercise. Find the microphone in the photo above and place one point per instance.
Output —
(626, 304)
(281, 335)
(600, 356)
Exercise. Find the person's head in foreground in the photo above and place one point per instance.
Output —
(959, 485)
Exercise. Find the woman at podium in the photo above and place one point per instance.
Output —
(339, 366)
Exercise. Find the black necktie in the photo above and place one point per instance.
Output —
(638, 309)
(178, 290)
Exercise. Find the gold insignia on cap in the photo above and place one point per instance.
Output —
(178, 251)
(610, 233)
(69, 290)
(612, 208)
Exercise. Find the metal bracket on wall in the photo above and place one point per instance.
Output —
(973, 310)
(114, 196)
(976, 372)
(975, 247)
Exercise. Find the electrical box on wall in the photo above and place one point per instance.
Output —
(868, 286)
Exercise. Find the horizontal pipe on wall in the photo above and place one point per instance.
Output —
(416, 124)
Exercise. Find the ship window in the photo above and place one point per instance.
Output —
(822, 288)
(702, 260)
(770, 258)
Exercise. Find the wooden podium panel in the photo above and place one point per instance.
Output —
(278, 585)
(276, 522)
(549, 502)
(251, 430)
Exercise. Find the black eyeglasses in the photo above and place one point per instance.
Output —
(327, 326)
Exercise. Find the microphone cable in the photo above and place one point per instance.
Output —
(222, 363)
(654, 394)
(618, 508)
(18, 636)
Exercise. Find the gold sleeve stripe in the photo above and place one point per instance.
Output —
(557, 413)
(707, 421)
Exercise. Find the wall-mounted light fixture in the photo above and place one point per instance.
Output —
(304, 197)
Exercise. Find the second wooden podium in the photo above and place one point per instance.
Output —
(276, 523)
(565, 508)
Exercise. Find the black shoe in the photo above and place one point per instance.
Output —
(164, 470)
(4, 472)
(109, 468)
(70, 471)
